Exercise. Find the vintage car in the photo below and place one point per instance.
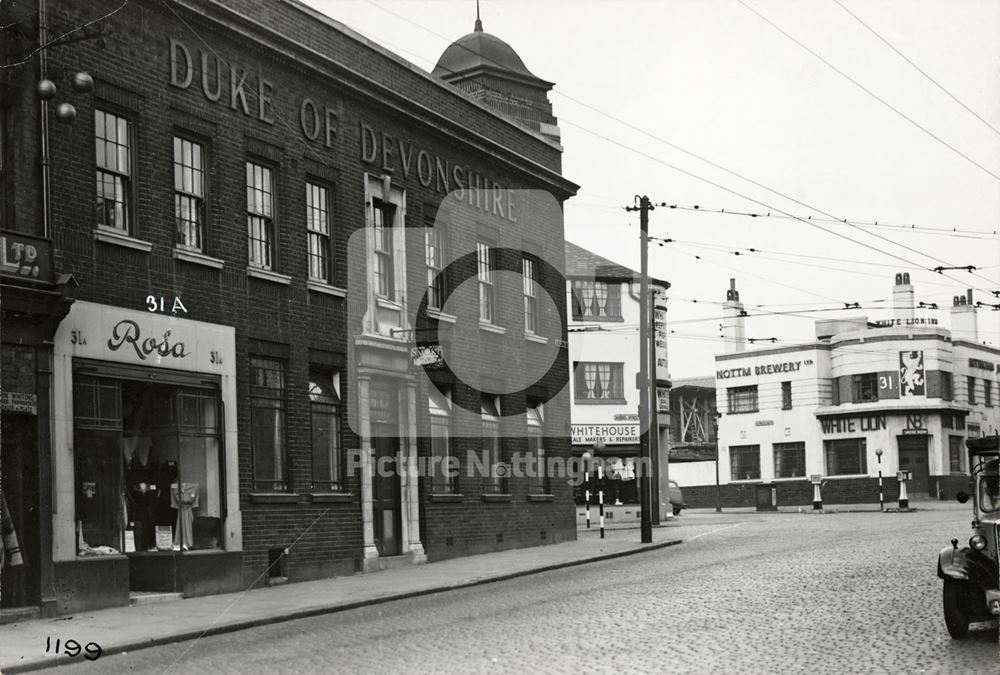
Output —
(971, 574)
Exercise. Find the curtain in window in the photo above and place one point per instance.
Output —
(601, 291)
(587, 291)
(590, 379)
(604, 373)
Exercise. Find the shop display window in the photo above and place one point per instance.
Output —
(148, 467)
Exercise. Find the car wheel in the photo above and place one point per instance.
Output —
(956, 604)
(677, 511)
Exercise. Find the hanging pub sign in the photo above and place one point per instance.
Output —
(427, 356)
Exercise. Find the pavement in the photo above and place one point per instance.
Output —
(124, 629)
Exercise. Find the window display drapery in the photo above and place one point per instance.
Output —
(10, 550)
(184, 498)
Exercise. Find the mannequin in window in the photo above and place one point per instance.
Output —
(10, 551)
(184, 498)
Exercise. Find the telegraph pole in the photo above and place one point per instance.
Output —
(646, 522)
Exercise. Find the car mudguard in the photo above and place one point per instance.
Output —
(967, 564)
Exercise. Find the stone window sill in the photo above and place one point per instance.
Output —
(441, 316)
(492, 328)
(269, 275)
(323, 287)
(496, 498)
(331, 497)
(273, 498)
(447, 497)
(541, 498)
(112, 236)
(540, 339)
(598, 319)
(388, 304)
(197, 258)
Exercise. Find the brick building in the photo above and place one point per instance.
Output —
(866, 397)
(230, 329)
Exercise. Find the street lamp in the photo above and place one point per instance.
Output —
(715, 427)
(881, 498)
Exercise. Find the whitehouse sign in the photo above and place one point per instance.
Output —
(608, 434)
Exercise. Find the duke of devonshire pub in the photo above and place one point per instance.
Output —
(277, 305)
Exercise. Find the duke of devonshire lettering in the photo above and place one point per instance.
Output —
(244, 82)
(399, 157)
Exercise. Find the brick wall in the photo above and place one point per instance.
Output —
(131, 68)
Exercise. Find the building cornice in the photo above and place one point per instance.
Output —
(227, 19)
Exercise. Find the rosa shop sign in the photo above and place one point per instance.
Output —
(107, 333)
(608, 434)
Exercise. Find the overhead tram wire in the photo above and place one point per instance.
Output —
(917, 68)
(761, 254)
(870, 92)
(55, 42)
(951, 232)
(764, 204)
(720, 167)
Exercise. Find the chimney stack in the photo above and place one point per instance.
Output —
(964, 321)
(733, 322)
(902, 297)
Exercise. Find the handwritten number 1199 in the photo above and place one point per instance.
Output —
(72, 648)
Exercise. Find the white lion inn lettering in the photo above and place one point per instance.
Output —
(848, 425)
(127, 332)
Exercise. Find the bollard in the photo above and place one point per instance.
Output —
(817, 497)
(600, 496)
(904, 502)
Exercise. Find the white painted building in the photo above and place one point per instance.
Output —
(603, 301)
(865, 397)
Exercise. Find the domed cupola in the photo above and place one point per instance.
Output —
(489, 70)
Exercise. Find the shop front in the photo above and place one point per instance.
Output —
(145, 471)
(33, 300)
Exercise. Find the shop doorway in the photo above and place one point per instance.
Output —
(19, 483)
(913, 458)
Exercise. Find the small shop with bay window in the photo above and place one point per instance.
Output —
(145, 471)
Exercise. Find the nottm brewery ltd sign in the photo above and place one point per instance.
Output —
(763, 369)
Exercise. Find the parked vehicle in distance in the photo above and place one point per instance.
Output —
(971, 573)
(676, 497)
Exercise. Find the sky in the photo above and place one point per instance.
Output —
(819, 112)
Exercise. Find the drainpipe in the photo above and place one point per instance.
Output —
(43, 109)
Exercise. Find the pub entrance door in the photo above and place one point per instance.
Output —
(386, 502)
(913, 458)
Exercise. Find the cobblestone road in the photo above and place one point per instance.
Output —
(745, 593)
